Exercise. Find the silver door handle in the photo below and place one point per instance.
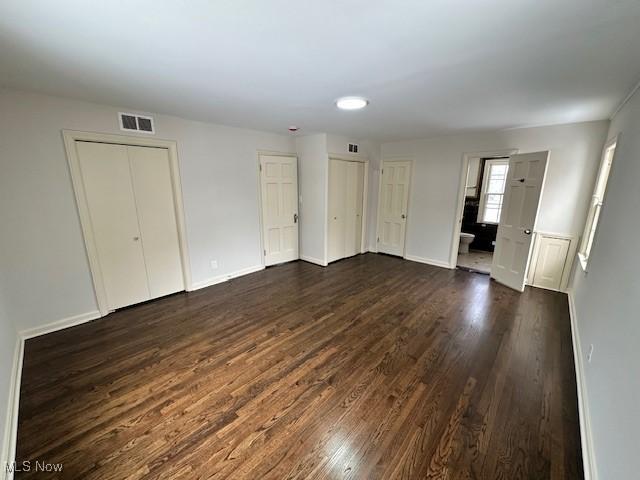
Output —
(295, 218)
(527, 231)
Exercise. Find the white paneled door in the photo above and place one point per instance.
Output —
(130, 204)
(392, 211)
(279, 188)
(517, 221)
(550, 262)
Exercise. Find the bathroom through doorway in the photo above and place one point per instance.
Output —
(484, 176)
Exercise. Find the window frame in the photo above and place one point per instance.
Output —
(596, 203)
(486, 176)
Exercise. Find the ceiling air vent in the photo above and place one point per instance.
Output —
(131, 122)
(353, 148)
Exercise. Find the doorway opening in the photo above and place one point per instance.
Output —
(475, 252)
(507, 197)
(483, 198)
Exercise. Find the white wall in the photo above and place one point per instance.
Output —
(313, 171)
(575, 151)
(41, 247)
(607, 304)
(8, 344)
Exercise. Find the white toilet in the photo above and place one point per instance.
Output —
(465, 241)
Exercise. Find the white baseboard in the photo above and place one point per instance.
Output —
(223, 278)
(317, 261)
(9, 439)
(59, 324)
(586, 437)
(428, 261)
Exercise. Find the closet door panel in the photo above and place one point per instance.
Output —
(151, 176)
(351, 208)
(359, 206)
(114, 223)
(337, 189)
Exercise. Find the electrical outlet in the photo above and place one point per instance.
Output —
(214, 264)
(590, 354)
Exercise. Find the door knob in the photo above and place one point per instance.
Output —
(527, 231)
(295, 218)
(135, 239)
(403, 216)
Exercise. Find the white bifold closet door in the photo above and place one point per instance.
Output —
(346, 188)
(129, 196)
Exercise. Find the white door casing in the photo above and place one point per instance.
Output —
(392, 208)
(523, 190)
(279, 190)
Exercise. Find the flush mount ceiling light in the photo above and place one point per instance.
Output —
(351, 103)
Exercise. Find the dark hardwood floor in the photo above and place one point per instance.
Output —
(373, 367)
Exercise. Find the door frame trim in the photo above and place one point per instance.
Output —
(365, 199)
(260, 153)
(70, 138)
(391, 159)
(462, 183)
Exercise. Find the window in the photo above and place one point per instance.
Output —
(596, 203)
(493, 183)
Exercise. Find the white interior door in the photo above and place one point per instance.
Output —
(337, 225)
(351, 210)
(517, 221)
(151, 175)
(346, 190)
(279, 186)
(392, 211)
(110, 199)
(359, 206)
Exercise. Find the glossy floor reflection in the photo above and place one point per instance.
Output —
(372, 368)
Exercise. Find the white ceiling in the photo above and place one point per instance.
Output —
(429, 67)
